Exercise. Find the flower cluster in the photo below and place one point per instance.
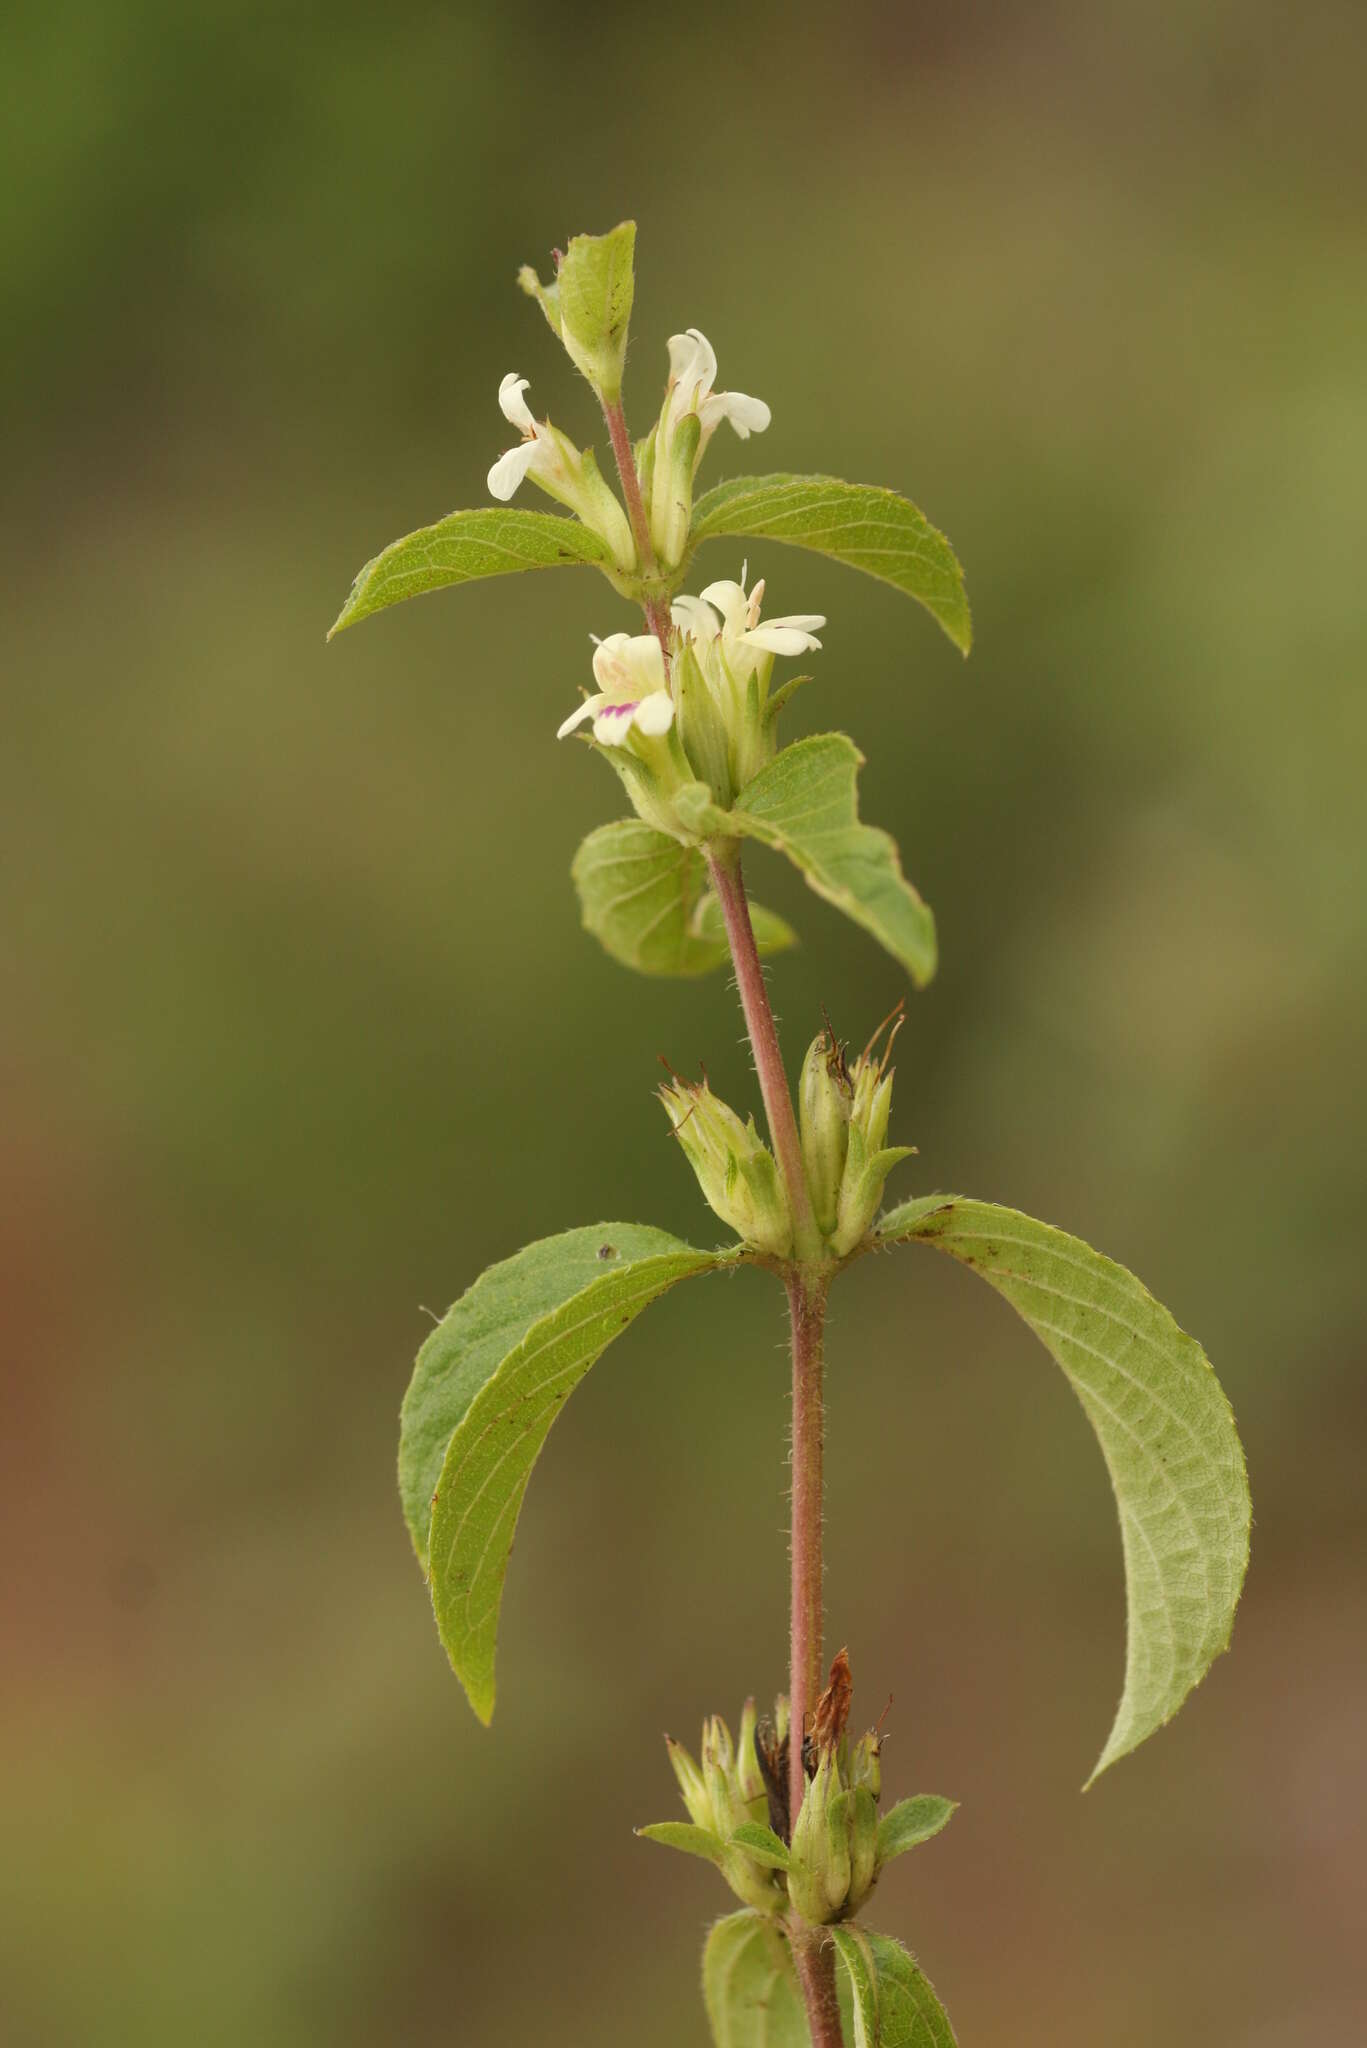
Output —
(824, 1866)
(666, 460)
(702, 712)
(843, 1112)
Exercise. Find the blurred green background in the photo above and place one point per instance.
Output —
(298, 1029)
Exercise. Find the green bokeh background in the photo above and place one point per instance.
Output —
(298, 1029)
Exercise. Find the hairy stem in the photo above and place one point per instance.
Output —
(729, 884)
(815, 1959)
(657, 616)
(807, 1317)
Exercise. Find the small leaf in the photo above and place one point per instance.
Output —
(893, 2005)
(859, 524)
(804, 804)
(852, 1947)
(595, 287)
(646, 899)
(681, 1834)
(762, 1843)
(1165, 1430)
(911, 1822)
(750, 1986)
(487, 1386)
(493, 540)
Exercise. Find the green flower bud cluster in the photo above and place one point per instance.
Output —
(835, 1860)
(737, 1801)
(843, 1113)
(735, 1168)
(728, 1805)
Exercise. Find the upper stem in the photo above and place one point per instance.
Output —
(729, 884)
(657, 616)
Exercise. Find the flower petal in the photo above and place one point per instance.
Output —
(695, 618)
(629, 664)
(508, 472)
(655, 714)
(692, 363)
(513, 405)
(612, 722)
(747, 415)
(731, 601)
(586, 710)
(778, 639)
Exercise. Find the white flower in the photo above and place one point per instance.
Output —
(692, 373)
(531, 452)
(740, 626)
(633, 691)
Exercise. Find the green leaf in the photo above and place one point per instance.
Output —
(762, 1843)
(493, 540)
(911, 1822)
(487, 1386)
(1165, 1429)
(859, 524)
(750, 1986)
(681, 1834)
(804, 804)
(646, 899)
(596, 285)
(893, 2004)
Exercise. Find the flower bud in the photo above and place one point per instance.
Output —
(823, 1100)
(866, 1766)
(863, 1837)
(734, 1166)
(748, 1774)
(691, 1784)
(589, 303)
(819, 1874)
(868, 1162)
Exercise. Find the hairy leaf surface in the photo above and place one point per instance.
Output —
(647, 900)
(911, 1822)
(487, 1386)
(1165, 1429)
(492, 540)
(804, 804)
(750, 1986)
(859, 524)
(893, 2005)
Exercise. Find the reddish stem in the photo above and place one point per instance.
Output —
(807, 1317)
(657, 615)
(729, 884)
(815, 1959)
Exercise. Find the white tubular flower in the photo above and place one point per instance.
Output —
(633, 692)
(692, 373)
(566, 473)
(532, 452)
(725, 660)
(740, 628)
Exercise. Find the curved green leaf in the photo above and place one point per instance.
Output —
(804, 803)
(492, 540)
(646, 899)
(860, 524)
(487, 1386)
(762, 1843)
(1165, 1429)
(682, 1834)
(893, 2005)
(911, 1822)
(750, 1986)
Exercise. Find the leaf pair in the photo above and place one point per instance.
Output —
(859, 524)
(492, 1377)
(645, 896)
(753, 2000)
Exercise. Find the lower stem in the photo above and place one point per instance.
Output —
(807, 1318)
(814, 1956)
